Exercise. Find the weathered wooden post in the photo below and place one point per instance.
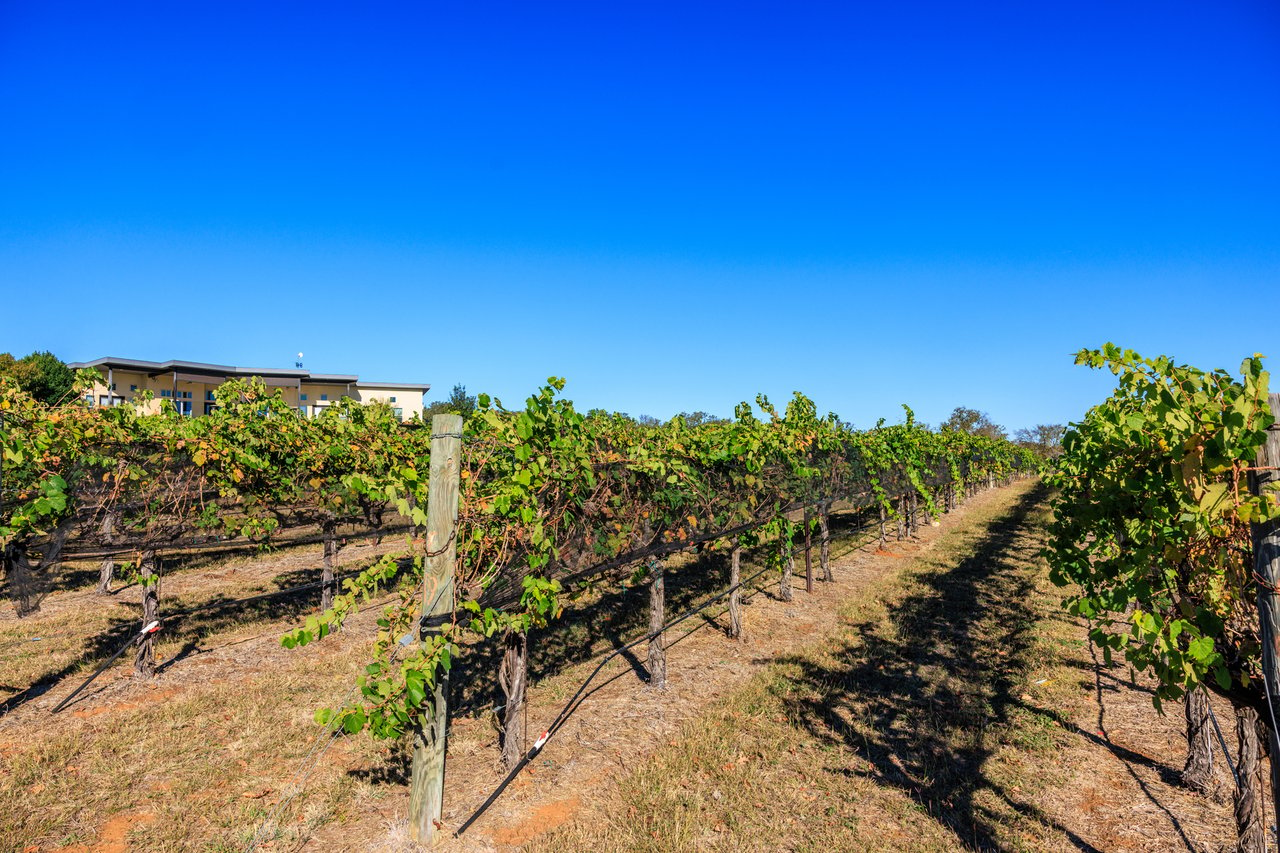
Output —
(657, 662)
(328, 586)
(426, 790)
(808, 552)
(735, 594)
(788, 558)
(824, 519)
(1266, 566)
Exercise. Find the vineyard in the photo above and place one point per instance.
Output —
(477, 538)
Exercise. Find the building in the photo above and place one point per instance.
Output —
(190, 385)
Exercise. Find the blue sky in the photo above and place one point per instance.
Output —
(675, 206)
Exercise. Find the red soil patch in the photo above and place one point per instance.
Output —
(113, 837)
(543, 819)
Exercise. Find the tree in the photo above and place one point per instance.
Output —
(41, 374)
(694, 419)
(1044, 440)
(459, 403)
(973, 422)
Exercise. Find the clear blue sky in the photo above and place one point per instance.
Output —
(674, 206)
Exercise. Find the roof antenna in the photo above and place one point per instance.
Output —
(298, 363)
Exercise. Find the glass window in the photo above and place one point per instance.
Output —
(209, 407)
(133, 388)
(302, 396)
(324, 396)
(399, 414)
(393, 399)
(208, 395)
(166, 392)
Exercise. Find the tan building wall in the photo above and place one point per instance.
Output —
(194, 395)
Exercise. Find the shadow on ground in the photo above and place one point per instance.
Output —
(923, 696)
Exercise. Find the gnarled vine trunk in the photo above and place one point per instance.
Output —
(107, 569)
(1251, 832)
(1197, 773)
(513, 677)
(144, 661)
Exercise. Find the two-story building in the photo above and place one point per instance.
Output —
(190, 385)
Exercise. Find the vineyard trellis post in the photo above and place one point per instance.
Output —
(735, 594)
(824, 519)
(657, 660)
(426, 789)
(1266, 550)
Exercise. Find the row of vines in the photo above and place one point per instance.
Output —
(553, 504)
(1160, 509)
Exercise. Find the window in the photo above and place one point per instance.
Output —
(106, 401)
(181, 400)
(302, 410)
(133, 389)
(208, 395)
(393, 399)
(209, 408)
(399, 414)
(113, 386)
(302, 396)
(324, 396)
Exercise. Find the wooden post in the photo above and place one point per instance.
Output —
(657, 616)
(808, 552)
(327, 585)
(882, 515)
(788, 567)
(735, 596)
(1266, 567)
(144, 661)
(426, 787)
(824, 520)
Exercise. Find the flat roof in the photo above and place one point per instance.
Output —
(155, 368)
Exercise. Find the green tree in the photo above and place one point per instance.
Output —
(41, 374)
(1044, 440)
(459, 403)
(973, 422)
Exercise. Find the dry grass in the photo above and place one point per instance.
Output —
(956, 708)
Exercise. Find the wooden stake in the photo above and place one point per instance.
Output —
(735, 597)
(808, 553)
(1266, 566)
(657, 615)
(426, 787)
(327, 585)
(824, 520)
(788, 568)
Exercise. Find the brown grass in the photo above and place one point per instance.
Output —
(956, 707)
